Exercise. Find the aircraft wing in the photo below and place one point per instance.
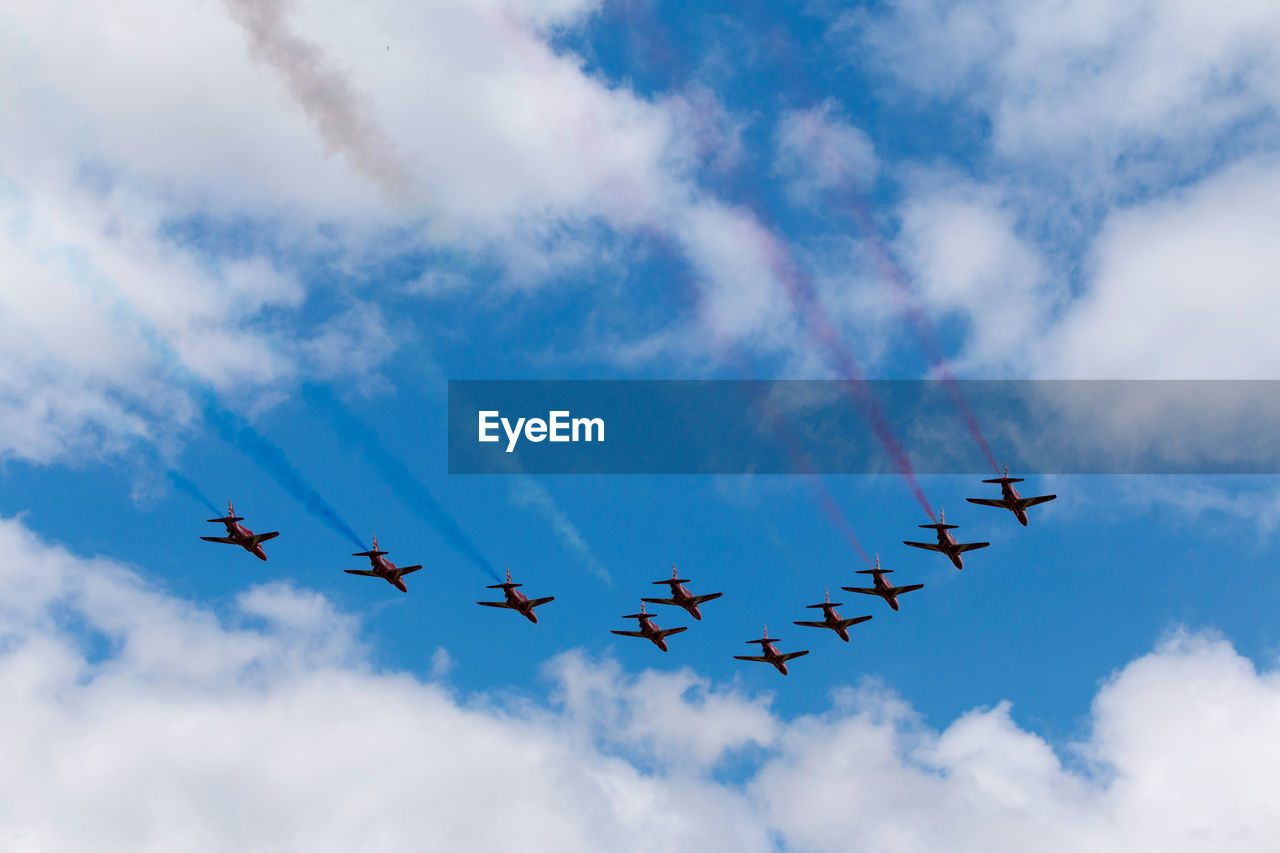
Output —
(989, 502)
(845, 623)
(752, 657)
(660, 600)
(225, 540)
(789, 655)
(811, 624)
(407, 570)
(263, 537)
(537, 601)
(928, 546)
(969, 546)
(364, 572)
(629, 633)
(495, 604)
(698, 599)
(862, 589)
(1026, 502)
(667, 632)
(899, 590)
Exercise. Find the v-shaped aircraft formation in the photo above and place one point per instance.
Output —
(680, 595)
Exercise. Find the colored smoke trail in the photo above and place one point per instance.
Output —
(271, 459)
(192, 490)
(402, 482)
(852, 379)
(892, 271)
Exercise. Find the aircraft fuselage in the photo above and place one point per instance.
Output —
(832, 617)
(520, 602)
(244, 538)
(387, 570)
(650, 631)
(770, 651)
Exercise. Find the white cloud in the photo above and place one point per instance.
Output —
(1182, 287)
(335, 131)
(819, 149)
(971, 264)
(274, 732)
(1089, 79)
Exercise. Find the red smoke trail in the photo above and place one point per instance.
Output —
(781, 44)
(802, 297)
(892, 271)
(798, 457)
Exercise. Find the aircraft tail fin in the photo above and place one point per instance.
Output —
(226, 519)
(370, 553)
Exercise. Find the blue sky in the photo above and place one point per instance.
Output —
(221, 207)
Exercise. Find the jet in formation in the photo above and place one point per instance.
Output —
(516, 600)
(831, 618)
(947, 543)
(1009, 497)
(382, 568)
(238, 534)
(770, 654)
(680, 595)
(881, 587)
(649, 629)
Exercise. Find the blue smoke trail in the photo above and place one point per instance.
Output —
(398, 477)
(234, 430)
(192, 489)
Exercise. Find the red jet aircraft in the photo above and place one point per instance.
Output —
(382, 568)
(649, 629)
(770, 654)
(681, 597)
(516, 600)
(1009, 497)
(238, 534)
(831, 619)
(947, 543)
(881, 588)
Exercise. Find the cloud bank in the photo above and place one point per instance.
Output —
(135, 720)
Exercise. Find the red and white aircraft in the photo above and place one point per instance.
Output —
(382, 568)
(831, 619)
(770, 654)
(882, 588)
(238, 534)
(649, 629)
(1009, 497)
(681, 597)
(947, 543)
(516, 600)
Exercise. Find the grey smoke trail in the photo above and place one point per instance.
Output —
(322, 91)
(530, 493)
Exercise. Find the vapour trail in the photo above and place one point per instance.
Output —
(271, 459)
(528, 492)
(191, 489)
(322, 92)
(231, 427)
(402, 482)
